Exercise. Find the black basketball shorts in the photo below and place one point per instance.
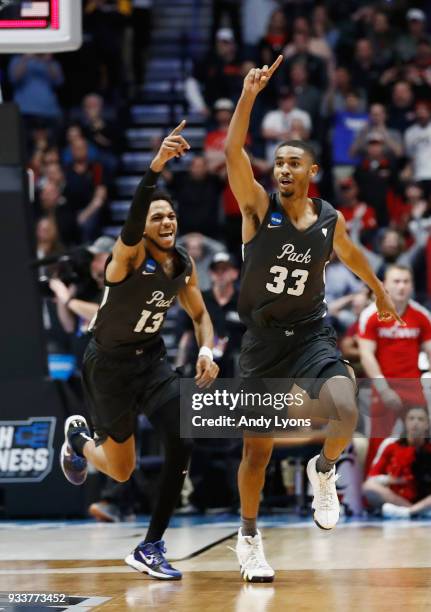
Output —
(119, 386)
(306, 355)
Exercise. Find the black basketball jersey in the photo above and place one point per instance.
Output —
(133, 311)
(283, 274)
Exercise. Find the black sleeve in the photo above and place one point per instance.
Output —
(134, 226)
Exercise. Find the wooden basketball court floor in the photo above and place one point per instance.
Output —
(360, 566)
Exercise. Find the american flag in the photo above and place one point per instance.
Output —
(35, 8)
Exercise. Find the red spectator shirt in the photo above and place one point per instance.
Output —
(396, 460)
(397, 348)
(368, 219)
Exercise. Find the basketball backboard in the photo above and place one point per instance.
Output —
(40, 26)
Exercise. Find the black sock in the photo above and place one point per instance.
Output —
(77, 441)
(172, 480)
(248, 526)
(323, 464)
(166, 421)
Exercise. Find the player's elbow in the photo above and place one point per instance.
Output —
(231, 150)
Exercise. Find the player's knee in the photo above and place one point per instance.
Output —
(347, 412)
(121, 472)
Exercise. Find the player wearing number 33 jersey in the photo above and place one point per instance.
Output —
(283, 275)
(282, 299)
(288, 239)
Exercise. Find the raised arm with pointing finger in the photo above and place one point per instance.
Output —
(129, 245)
(251, 196)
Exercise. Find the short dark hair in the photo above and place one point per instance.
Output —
(159, 194)
(300, 144)
(401, 267)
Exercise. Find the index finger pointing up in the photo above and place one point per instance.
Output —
(275, 65)
(179, 128)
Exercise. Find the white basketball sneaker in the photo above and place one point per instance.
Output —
(325, 500)
(396, 512)
(251, 558)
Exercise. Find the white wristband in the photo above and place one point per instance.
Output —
(204, 351)
(380, 383)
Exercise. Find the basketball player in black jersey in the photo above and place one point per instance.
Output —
(288, 239)
(125, 368)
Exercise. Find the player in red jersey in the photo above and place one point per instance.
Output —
(389, 351)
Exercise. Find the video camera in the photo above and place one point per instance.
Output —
(71, 267)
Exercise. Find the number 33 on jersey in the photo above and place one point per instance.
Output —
(283, 275)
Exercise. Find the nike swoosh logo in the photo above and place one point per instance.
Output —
(273, 226)
(147, 273)
(148, 560)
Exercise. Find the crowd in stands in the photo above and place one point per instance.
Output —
(355, 83)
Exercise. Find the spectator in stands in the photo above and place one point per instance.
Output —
(299, 51)
(197, 193)
(354, 210)
(221, 301)
(54, 173)
(202, 249)
(391, 248)
(349, 342)
(393, 143)
(35, 79)
(364, 69)
(418, 71)
(42, 151)
(399, 481)
(340, 86)
(315, 46)
(406, 45)
(102, 133)
(215, 139)
(75, 132)
(375, 175)
(77, 306)
(390, 351)
(47, 237)
(51, 156)
(417, 140)
(273, 42)
(231, 8)
(53, 204)
(341, 285)
(268, 49)
(219, 75)
(277, 124)
(322, 28)
(415, 202)
(382, 38)
(49, 198)
(308, 97)
(85, 192)
(401, 113)
(345, 126)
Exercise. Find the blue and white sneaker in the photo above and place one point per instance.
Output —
(149, 558)
(74, 467)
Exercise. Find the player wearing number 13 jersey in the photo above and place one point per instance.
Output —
(288, 239)
(125, 370)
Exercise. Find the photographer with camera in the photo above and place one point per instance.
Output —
(77, 303)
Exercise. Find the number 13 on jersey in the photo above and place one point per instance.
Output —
(279, 281)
